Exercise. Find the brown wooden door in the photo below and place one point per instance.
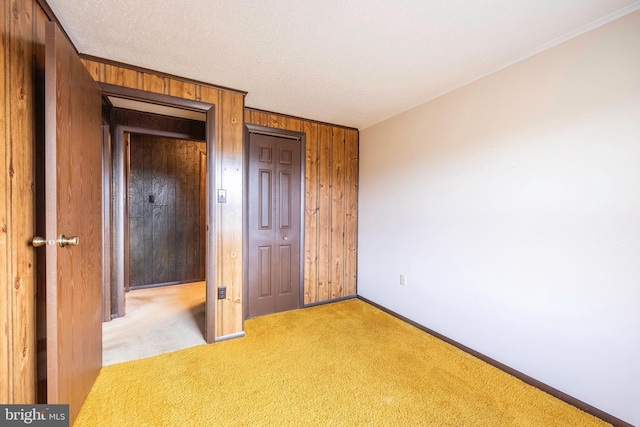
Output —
(274, 224)
(73, 197)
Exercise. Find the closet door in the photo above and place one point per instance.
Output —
(274, 224)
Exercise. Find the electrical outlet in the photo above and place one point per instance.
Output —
(222, 292)
(403, 280)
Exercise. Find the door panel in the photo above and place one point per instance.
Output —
(265, 200)
(264, 272)
(286, 286)
(274, 248)
(285, 200)
(73, 187)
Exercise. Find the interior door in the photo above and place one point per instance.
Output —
(274, 224)
(73, 206)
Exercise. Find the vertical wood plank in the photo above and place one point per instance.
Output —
(182, 179)
(159, 213)
(6, 372)
(182, 89)
(311, 214)
(324, 213)
(210, 95)
(153, 83)
(277, 121)
(171, 207)
(191, 212)
(294, 124)
(120, 76)
(337, 213)
(137, 202)
(351, 210)
(260, 119)
(147, 223)
(229, 272)
(20, 70)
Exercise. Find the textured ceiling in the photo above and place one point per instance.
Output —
(353, 63)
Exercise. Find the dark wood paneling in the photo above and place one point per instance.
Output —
(166, 233)
(330, 207)
(183, 176)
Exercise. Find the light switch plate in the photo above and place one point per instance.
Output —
(222, 196)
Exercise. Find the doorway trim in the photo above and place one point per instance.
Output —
(279, 133)
(119, 206)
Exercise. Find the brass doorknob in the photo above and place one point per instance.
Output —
(62, 241)
(41, 241)
(68, 241)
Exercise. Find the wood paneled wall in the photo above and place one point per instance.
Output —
(165, 233)
(331, 204)
(22, 56)
(330, 208)
(229, 107)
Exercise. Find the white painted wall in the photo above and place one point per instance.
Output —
(513, 207)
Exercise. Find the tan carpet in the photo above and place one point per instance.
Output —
(157, 320)
(341, 364)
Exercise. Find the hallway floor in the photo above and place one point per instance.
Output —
(158, 320)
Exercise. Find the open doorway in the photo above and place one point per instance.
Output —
(159, 212)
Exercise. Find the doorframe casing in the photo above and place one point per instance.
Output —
(119, 206)
(280, 133)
